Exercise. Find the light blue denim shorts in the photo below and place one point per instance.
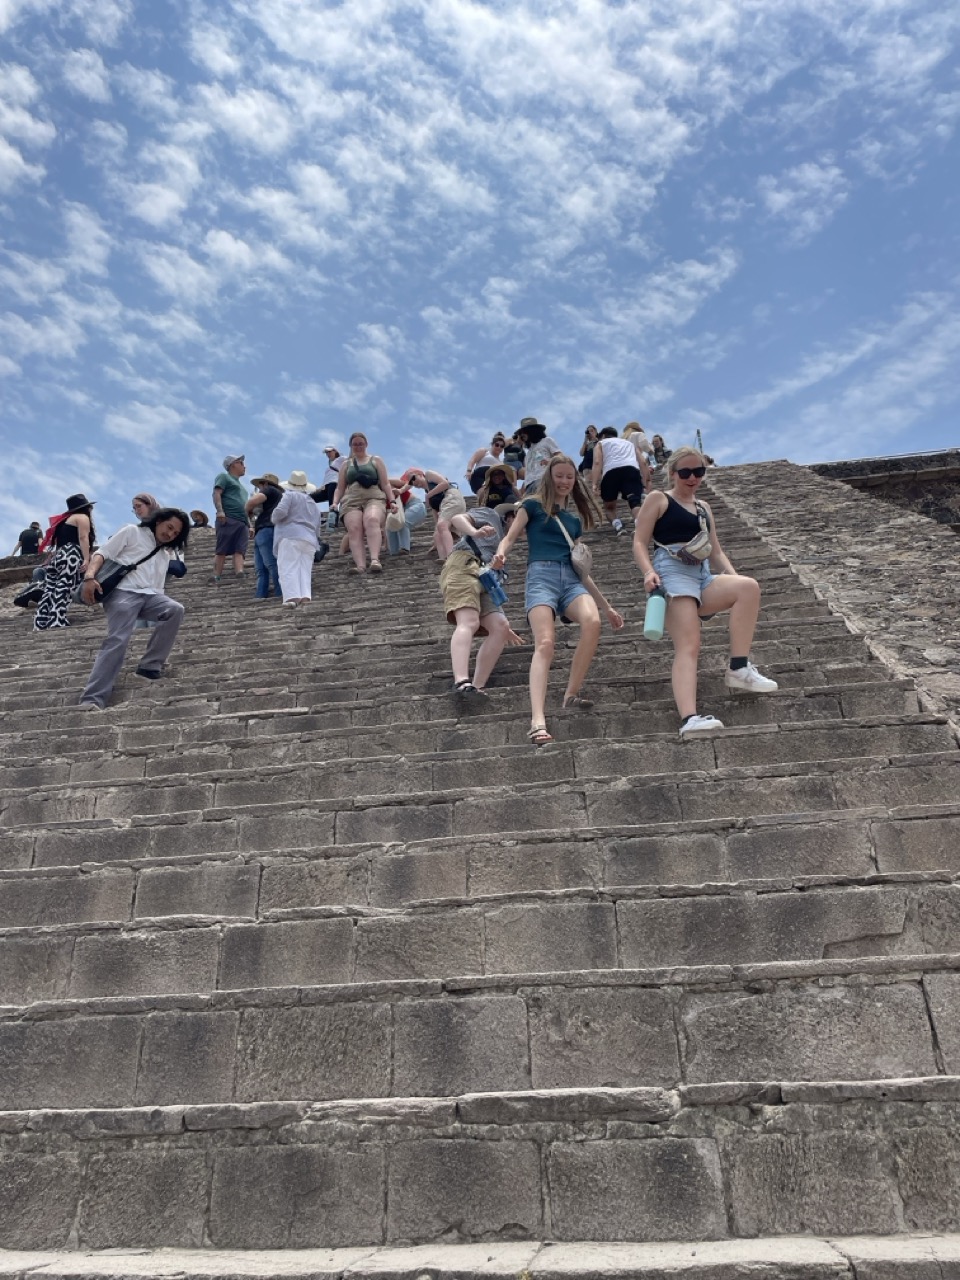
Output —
(553, 582)
(682, 579)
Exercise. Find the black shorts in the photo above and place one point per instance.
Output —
(325, 493)
(623, 482)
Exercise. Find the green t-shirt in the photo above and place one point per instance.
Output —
(235, 496)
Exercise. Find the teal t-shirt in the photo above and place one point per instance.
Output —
(544, 539)
(235, 496)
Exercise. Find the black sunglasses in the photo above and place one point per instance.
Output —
(686, 472)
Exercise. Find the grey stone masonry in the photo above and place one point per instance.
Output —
(310, 968)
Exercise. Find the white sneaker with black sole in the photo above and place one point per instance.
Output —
(617, 527)
(749, 680)
(697, 725)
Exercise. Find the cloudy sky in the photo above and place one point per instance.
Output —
(257, 224)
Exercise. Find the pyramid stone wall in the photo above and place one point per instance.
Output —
(296, 952)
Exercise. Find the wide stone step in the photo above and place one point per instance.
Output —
(869, 1018)
(628, 1165)
(566, 765)
(840, 784)
(800, 851)
(625, 928)
(908, 1256)
(422, 721)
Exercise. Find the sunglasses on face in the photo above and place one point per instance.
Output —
(686, 472)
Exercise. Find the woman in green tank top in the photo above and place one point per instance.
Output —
(363, 492)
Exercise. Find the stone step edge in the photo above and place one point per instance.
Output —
(546, 836)
(356, 804)
(487, 712)
(911, 1256)
(763, 976)
(496, 1109)
(809, 886)
(520, 750)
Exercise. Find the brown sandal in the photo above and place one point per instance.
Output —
(539, 737)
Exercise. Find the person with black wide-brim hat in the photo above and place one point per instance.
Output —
(540, 448)
(71, 535)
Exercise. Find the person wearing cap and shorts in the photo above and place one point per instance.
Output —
(233, 528)
(261, 508)
(468, 607)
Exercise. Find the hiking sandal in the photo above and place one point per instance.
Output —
(539, 737)
(577, 702)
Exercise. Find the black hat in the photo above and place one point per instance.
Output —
(532, 429)
(77, 501)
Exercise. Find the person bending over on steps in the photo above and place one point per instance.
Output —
(553, 586)
(671, 520)
(468, 607)
(140, 594)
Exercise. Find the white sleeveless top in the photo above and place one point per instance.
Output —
(618, 453)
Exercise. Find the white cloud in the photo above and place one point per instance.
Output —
(212, 47)
(287, 424)
(805, 197)
(250, 117)
(176, 273)
(143, 424)
(14, 170)
(85, 73)
(89, 244)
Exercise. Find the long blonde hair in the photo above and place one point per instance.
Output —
(685, 451)
(546, 494)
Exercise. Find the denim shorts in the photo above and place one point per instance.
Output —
(682, 579)
(553, 582)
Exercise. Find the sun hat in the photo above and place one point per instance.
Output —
(77, 501)
(504, 509)
(505, 467)
(267, 478)
(298, 481)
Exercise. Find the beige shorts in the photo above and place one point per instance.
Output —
(452, 504)
(357, 498)
(461, 589)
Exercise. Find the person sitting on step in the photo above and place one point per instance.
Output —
(671, 520)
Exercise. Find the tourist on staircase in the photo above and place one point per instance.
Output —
(620, 470)
(296, 528)
(362, 494)
(149, 546)
(445, 501)
(233, 528)
(553, 521)
(414, 510)
(260, 509)
(687, 549)
(483, 459)
(539, 448)
(71, 536)
(499, 486)
(468, 605)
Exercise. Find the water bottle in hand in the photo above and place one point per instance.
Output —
(655, 613)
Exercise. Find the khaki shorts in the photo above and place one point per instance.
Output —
(357, 498)
(453, 504)
(461, 589)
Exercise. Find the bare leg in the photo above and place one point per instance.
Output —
(742, 597)
(683, 624)
(443, 539)
(237, 563)
(584, 612)
(373, 518)
(461, 642)
(544, 640)
(218, 565)
(491, 648)
(354, 522)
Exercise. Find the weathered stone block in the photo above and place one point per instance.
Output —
(516, 865)
(825, 848)
(81, 1062)
(461, 1190)
(187, 1057)
(202, 891)
(325, 1051)
(616, 1036)
(38, 1199)
(302, 829)
(943, 993)
(928, 1175)
(545, 936)
(264, 1198)
(752, 797)
(326, 882)
(419, 946)
(404, 822)
(148, 963)
(657, 1189)
(546, 811)
(287, 953)
(920, 844)
(447, 1047)
(398, 878)
(34, 969)
(66, 899)
(144, 1198)
(808, 1033)
(817, 1182)
(687, 859)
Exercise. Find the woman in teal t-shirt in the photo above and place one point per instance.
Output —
(553, 586)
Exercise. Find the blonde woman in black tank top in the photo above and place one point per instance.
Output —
(671, 519)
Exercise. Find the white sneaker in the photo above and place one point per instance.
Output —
(749, 680)
(617, 527)
(700, 724)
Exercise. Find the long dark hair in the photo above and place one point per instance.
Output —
(169, 513)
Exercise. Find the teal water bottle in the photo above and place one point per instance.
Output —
(655, 613)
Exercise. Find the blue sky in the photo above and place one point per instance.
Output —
(259, 224)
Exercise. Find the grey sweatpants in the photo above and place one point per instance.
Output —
(123, 608)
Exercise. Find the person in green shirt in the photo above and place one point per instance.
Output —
(233, 526)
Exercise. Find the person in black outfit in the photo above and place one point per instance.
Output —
(29, 541)
(72, 537)
(264, 502)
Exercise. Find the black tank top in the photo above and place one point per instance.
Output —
(66, 535)
(677, 524)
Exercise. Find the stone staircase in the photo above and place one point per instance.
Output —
(297, 954)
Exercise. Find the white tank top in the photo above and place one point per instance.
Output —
(618, 453)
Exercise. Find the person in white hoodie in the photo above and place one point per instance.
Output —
(296, 526)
